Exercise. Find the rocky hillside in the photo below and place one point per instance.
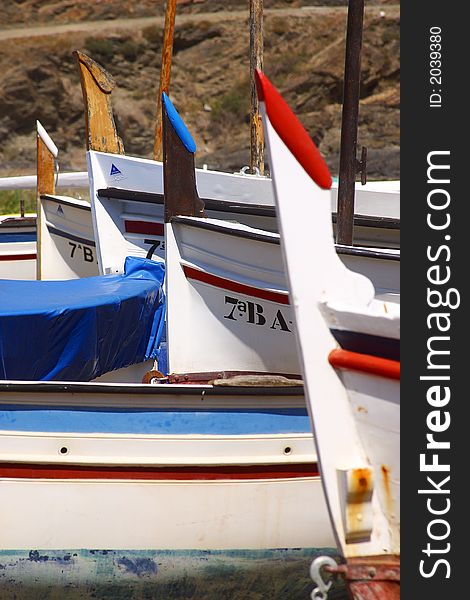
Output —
(304, 57)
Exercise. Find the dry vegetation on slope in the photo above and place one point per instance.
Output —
(304, 57)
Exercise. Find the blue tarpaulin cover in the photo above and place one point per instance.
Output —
(79, 329)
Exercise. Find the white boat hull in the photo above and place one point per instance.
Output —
(151, 467)
(17, 247)
(18, 260)
(375, 406)
(219, 515)
(136, 220)
(231, 309)
(67, 240)
(338, 321)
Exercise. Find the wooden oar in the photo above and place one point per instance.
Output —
(165, 72)
(97, 85)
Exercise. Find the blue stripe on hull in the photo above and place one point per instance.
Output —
(18, 237)
(157, 422)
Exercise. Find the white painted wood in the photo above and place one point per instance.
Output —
(18, 268)
(376, 198)
(130, 173)
(156, 450)
(67, 239)
(306, 231)
(375, 404)
(205, 330)
(77, 179)
(257, 513)
(46, 138)
(243, 514)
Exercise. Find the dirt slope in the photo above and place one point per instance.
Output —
(304, 57)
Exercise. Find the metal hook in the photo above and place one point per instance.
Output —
(246, 171)
(321, 591)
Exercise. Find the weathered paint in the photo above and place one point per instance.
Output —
(97, 85)
(388, 496)
(70, 574)
(179, 174)
(359, 494)
(375, 590)
(371, 577)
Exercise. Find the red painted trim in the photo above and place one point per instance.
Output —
(144, 227)
(35, 471)
(375, 365)
(234, 286)
(292, 132)
(5, 257)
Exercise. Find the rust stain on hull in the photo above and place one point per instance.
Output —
(386, 481)
(360, 490)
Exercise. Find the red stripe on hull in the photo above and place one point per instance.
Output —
(234, 286)
(375, 365)
(36, 471)
(6, 257)
(144, 227)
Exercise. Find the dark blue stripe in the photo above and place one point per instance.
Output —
(145, 421)
(20, 236)
(364, 343)
(69, 236)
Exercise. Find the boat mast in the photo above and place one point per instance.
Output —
(348, 163)
(256, 62)
(165, 72)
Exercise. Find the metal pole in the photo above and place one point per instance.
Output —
(348, 161)
(167, 53)
(256, 62)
